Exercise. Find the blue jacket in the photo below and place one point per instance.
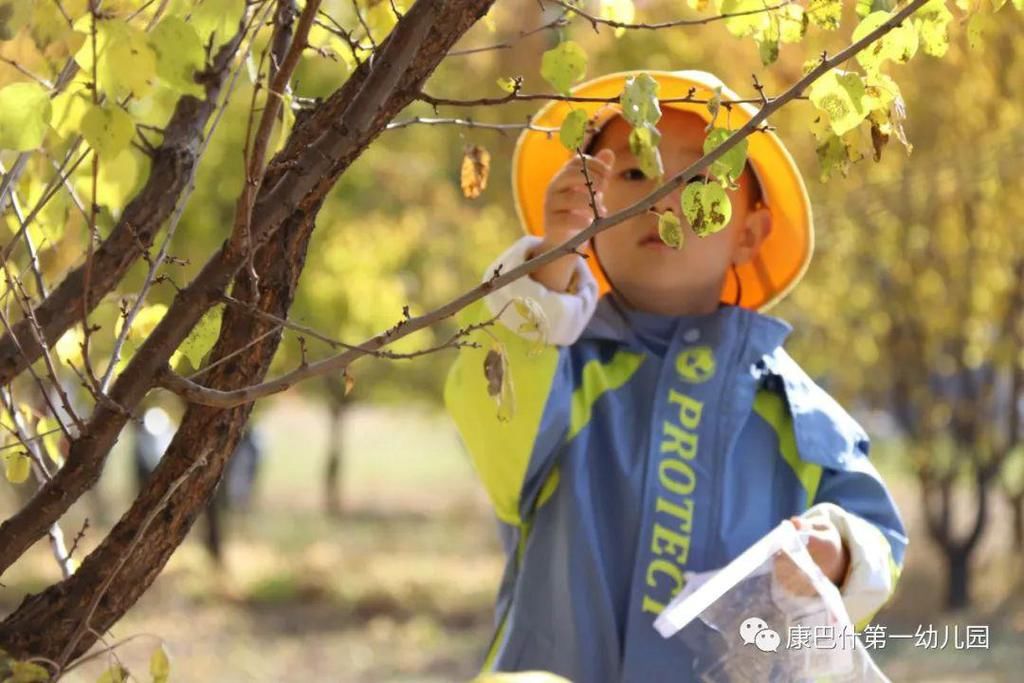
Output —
(650, 446)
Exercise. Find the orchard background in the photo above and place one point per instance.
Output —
(215, 237)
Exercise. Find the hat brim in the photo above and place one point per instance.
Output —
(785, 253)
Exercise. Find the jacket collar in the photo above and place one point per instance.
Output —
(636, 329)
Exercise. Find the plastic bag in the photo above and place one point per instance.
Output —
(769, 615)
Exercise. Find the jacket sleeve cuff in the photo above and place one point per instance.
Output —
(567, 313)
(871, 577)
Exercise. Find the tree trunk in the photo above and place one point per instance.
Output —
(335, 447)
(958, 586)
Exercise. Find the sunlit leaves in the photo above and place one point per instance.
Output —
(108, 129)
(125, 62)
(476, 166)
(670, 230)
(217, 18)
(179, 53)
(573, 129)
(28, 672)
(932, 22)
(825, 14)
(729, 166)
(706, 207)
(69, 108)
(115, 674)
(898, 45)
(564, 65)
(24, 116)
(840, 94)
(621, 11)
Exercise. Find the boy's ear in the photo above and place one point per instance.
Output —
(752, 233)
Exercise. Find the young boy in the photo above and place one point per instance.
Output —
(662, 428)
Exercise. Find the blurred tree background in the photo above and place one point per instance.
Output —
(911, 314)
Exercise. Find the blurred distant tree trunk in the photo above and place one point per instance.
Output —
(333, 482)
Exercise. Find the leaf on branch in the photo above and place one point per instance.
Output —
(836, 153)
(573, 129)
(670, 230)
(201, 339)
(752, 19)
(17, 466)
(643, 143)
(179, 54)
(217, 18)
(499, 381)
(108, 129)
(564, 65)
(28, 672)
(932, 22)
(840, 94)
(639, 100)
(115, 674)
(728, 167)
(976, 28)
(125, 61)
(622, 11)
(476, 166)
(714, 105)
(24, 116)
(508, 84)
(898, 45)
(707, 207)
(160, 665)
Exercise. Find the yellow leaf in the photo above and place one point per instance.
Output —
(476, 166)
(17, 466)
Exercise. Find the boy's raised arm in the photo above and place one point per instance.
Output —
(514, 456)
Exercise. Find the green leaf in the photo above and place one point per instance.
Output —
(866, 7)
(768, 50)
(217, 18)
(125, 62)
(840, 94)
(792, 23)
(639, 100)
(898, 45)
(730, 165)
(201, 339)
(28, 672)
(707, 207)
(108, 129)
(1019, 5)
(622, 11)
(24, 116)
(976, 30)
(17, 466)
(179, 54)
(643, 143)
(825, 14)
(507, 84)
(115, 674)
(836, 153)
(563, 66)
(745, 24)
(160, 665)
(670, 230)
(573, 129)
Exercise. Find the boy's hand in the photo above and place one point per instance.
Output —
(567, 210)
(825, 546)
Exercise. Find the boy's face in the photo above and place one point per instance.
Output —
(650, 274)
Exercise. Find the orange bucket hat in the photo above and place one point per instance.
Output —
(785, 253)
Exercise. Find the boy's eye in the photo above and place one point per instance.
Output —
(633, 174)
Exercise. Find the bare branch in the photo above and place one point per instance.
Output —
(595, 21)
